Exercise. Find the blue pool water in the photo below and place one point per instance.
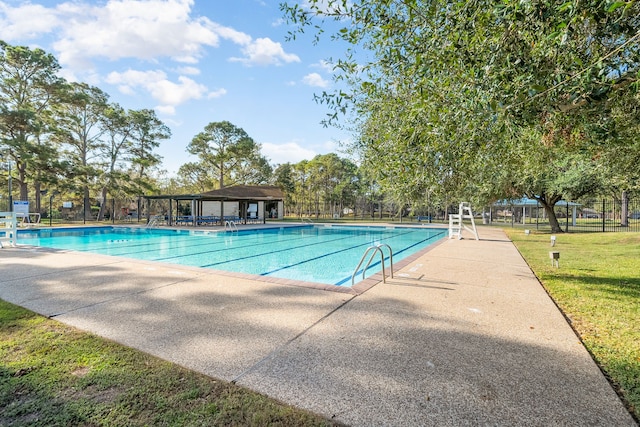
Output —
(320, 254)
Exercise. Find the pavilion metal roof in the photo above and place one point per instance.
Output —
(253, 192)
(236, 192)
(525, 201)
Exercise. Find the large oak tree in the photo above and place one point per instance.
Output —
(482, 100)
(230, 153)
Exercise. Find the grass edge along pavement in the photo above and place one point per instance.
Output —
(55, 375)
(597, 287)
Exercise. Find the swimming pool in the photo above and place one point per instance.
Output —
(322, 254)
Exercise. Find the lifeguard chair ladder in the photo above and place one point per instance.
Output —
(456, 222)
(9, 228)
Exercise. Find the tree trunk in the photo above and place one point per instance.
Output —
(624, 215)
(87, 202)
(100, 216)
(22, 181)
(551, 214)
(37, 185)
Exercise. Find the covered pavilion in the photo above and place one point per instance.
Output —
(238, 203)
(522, 209)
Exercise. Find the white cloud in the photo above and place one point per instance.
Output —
(171, 93)
(26, 21)
(264, 51)
(192, 71)
(90, 77)
(156, 83)
(315, 80)
(126, 89)
(116, 29)
(326, 66)
(291, 152)
(228, 33)
(217, 93)
(171, 121)
(144, 29)
(331, 146)
(167, 110)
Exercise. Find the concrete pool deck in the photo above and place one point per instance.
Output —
(463, 335)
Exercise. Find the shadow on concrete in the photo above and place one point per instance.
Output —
(371, 359)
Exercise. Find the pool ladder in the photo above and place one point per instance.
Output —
(373, 250)
(230, 226)
(153, 221)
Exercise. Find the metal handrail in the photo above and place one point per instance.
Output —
(307, 220)
(231, 226)
(153, 221)
(384, 245)
(373, 249)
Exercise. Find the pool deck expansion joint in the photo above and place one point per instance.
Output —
(281, 348)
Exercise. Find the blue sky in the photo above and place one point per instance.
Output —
(194, 62)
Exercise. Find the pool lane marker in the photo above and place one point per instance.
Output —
(217, 245)
(177, 241)
(288, 249)
(264, 274)
(339, 283)
(181, 235)
(328, 254)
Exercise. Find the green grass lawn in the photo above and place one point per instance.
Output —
(597, 286)
(54, 375)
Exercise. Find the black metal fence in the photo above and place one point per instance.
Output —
(56, 210)
(595, 215)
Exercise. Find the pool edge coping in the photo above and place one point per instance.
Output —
(358, 288)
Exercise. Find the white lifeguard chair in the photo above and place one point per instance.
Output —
(456, 222)
(8, 228)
